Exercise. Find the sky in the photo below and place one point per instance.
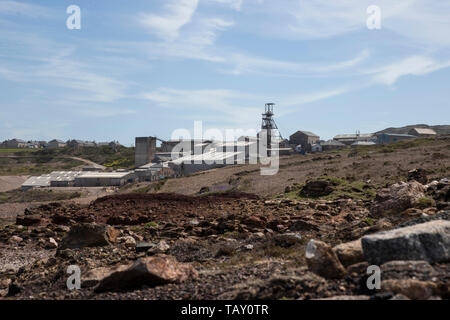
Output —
(147, 68)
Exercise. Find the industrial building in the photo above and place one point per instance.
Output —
(304, 138)
(54, 179)
(145, 150)
(186, 156)
(349, 139)
(103, 179)
(209, 160)
(332, 145)
(360, 143)
(79, 179)
(393, 137)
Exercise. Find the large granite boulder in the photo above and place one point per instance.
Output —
(428, 241)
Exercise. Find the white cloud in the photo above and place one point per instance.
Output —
(234, 4)
(15, 7)
(419, 21)
(178, 13)
(415, 65)
(242, 63)
(229, 106)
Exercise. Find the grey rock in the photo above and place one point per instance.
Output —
(89, 235)
(150, 271)
(428, 241)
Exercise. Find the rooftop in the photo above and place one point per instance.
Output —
(424, 131)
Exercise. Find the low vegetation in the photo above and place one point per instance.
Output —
(33, 195)
(35, 165)
(342, 188)
(42, 161)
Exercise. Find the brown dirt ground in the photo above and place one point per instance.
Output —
(8, 183)
(381, 168)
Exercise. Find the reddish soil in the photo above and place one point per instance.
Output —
(138, 208)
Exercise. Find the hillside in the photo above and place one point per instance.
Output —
(36, 162)
(253, 242)
(379, 164)
(440, 129)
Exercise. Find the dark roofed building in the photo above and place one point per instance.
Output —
(80, 144)
(332, 145)
(56, 143)
(393, 137)
(304, 138)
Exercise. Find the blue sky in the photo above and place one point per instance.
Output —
(145, 68)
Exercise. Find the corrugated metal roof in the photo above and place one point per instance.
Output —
(332, 143)
(353, 136)
(363, 143)
(308, 133)
(105, 175)
(398, 135)
(208, 156)
(424, 131)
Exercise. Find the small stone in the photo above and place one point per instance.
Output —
(94, 276)
(161, 247)
(413, 289)
(51, 244)
(286, 240)
(322, 260)
(130, 242)
(15, 240)
(144, 246)
(350, 252)
(248, 247)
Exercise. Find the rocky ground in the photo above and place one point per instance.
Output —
(234, 246)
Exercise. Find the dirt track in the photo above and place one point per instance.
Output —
(8, 183)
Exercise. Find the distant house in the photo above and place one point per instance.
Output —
(304, 138)
(422, 132)
(349, 139)
(111, 144)
(393, 137)
(56, 143)
(14, 144)
(332, 145)
(80, 144)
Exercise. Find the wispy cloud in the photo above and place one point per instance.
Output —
(422, 22)
(239, 108)
(177, 14)
(10, 7)
(415, 65)
(234, 4)
(243, 63)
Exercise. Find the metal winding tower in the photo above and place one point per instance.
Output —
(267, 121)
(270, 126)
